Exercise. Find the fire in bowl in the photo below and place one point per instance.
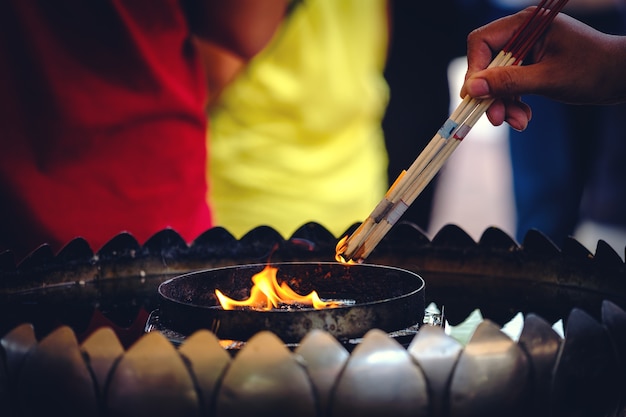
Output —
(367, 297)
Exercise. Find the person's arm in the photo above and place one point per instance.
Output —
(220, 67)
(572, 63)
(241, 27)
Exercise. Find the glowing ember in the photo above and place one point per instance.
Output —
(267, 294)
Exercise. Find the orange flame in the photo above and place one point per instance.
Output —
(267, 294)
(339, 251)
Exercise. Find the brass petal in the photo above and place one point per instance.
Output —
(55, 380)
(208, 362)
(151, 379)
(102, 348)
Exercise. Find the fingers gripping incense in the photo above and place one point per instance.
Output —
(411, 182)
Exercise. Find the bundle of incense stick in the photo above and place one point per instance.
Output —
(411, 182)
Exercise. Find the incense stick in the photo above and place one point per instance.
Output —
(411, 182)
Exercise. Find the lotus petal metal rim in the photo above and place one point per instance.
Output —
(542, 374)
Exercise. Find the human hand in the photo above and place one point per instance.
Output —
(571, 63)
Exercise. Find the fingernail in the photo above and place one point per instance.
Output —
(518, 125)
(478, 88)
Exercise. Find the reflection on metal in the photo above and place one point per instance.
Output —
(435, 376)
(56, 359)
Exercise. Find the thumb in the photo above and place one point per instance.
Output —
(502, 82)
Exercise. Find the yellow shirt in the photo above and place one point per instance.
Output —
(297, 136)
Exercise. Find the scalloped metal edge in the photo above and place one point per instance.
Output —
(261, 240)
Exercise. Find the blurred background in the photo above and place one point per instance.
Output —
(474, 188)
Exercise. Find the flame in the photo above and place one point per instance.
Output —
(267, 294)
(340, 249)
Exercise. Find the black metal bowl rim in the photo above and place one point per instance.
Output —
(278, 264)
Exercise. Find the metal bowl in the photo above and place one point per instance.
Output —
(383, 297)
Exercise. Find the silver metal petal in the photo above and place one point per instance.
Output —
(614, 318)
(586, 375)
(324, 358)
(436, 354)
(542, 345)
(16, 345)
(380, 379)
(491, 377)
(265, 379)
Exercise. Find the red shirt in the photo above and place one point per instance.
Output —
(102, 128)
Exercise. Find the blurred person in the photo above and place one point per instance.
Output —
(573, 63)
(557, 170)
(296, 135)
(103, 121)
